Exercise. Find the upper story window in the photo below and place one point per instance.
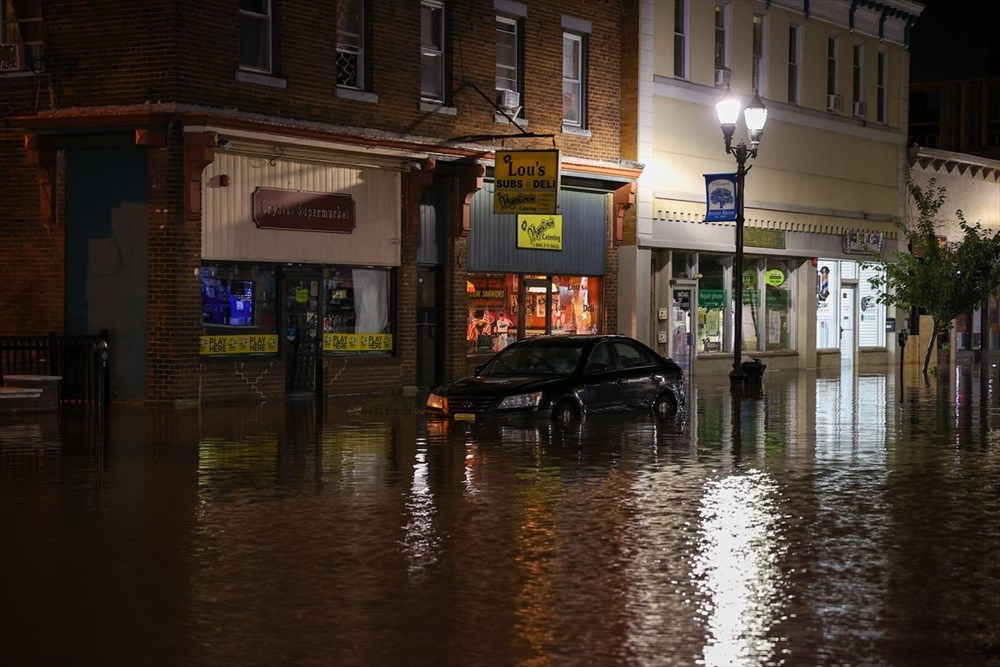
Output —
(510, 55)
(794, 49)
(680, 38)
(721, 58)
(351, 62)
(881, 93)
(832, 51)
(573, 70)
(256, 38)
(432, 50)
(857, 74)
(21, 35)
(758, 52)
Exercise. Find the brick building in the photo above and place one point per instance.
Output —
(269, 198)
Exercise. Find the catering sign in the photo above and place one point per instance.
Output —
(540, 232)
(526, 182)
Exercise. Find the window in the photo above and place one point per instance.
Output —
(351, 44)
(509, 52)
(827, 304)
(357, 311)
(832, 47)
(238, 310)
(720, 37)
(255, 36)
(680, 39)
(758, 52)
(793, 64)
(857, 75)
(881, 95)
(432, 50)
(573, 79)
(21, 35)
(713, 295)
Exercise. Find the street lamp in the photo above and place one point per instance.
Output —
(755, 115)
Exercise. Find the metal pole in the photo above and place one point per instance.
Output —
(736, 375)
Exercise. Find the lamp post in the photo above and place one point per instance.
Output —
(755, 115)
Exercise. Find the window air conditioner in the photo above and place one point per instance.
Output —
(860, 109)
(508, 100)
(720, 76)
(10, 57)
(834, 103)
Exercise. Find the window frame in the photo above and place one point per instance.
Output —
(881, 86)
(579, 79)
(758, 61)
(517, 68)
(721, 34)
(833, 65)
(23, 29)
(794, 62)
(359, 51)
(858, 72)
(430, 53)
(268, 60)
(680, 39)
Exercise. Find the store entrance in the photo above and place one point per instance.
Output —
(681, 328)
(429, 340)
(300, 292)
(847, 337)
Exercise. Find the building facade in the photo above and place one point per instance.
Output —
(819, 193)
(270, 199)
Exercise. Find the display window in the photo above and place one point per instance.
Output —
(871, 313)
(357, 307)
(502, 307)
(712, 299)
(238, 310)
(827, 313)
(778, 281)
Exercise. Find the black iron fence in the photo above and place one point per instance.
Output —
(73, 358)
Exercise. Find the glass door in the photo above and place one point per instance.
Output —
(301, 302)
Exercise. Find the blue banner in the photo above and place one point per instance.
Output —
(720, 197)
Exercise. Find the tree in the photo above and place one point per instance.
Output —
(942, 279)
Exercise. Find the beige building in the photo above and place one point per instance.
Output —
(829, 172)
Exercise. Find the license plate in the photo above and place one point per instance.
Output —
(464, 417)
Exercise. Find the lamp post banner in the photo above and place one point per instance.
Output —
(720, 197)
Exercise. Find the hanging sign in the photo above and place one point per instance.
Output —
(526, 182)
(720, 195)
(540, 232)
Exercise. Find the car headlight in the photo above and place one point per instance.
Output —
(521, 401)
(437, 402)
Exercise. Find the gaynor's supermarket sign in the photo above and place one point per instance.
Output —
(274, 208)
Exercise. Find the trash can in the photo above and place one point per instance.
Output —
(753, 369)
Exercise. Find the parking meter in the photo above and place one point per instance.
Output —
(902, 336)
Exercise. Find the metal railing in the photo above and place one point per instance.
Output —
(70, 357)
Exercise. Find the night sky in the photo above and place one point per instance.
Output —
(956, 39)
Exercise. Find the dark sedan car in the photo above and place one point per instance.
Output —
(565, 377)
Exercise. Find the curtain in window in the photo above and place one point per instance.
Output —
(371, 300)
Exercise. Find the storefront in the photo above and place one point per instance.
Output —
(552, 281)
(298, 273)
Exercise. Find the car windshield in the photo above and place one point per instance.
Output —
(534, 360)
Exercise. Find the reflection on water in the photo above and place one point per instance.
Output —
(824, 520)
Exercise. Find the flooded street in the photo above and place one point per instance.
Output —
(828, 521)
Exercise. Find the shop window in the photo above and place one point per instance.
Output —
(712, 300)
(357, 311)
(753, 305)
(778, 305)
(502, 305)
(238, 310)
(827, 311)
(871, 313)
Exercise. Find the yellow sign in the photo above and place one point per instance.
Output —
(239, 344)
(541, 232)
(338, 342)
(526, 182)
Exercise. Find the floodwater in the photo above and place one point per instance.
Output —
(826, 520)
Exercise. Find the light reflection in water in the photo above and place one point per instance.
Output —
(420, 545)
(737, 566)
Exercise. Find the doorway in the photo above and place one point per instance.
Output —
(847, 315)
(429, 341)
(300, 292)
(681, 328)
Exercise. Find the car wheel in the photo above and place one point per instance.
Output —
(665, 405)
(566, 412)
